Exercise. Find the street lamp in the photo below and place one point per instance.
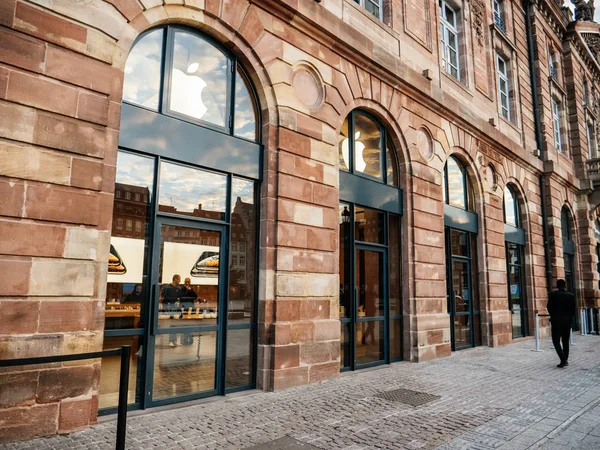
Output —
(345, 215)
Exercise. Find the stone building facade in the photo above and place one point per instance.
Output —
(485, 117)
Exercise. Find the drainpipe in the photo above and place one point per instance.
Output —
(528, 6)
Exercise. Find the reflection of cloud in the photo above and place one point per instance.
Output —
(142, 71)
(243, 189)
(185, 188)
(135, 170)
(456, 188)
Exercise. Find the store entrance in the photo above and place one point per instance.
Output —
(187, 338)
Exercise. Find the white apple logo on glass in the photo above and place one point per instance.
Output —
(359, 162)
(186, 96)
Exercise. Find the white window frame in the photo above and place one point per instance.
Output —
(556, 120)
(497, 8)
(448, 29)
(378, 3)
(503, 77)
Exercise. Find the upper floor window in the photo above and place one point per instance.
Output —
(503, 88)
(586, 93)
(457, 190)
(511, 208)
(449, 39)
(373, 6)
(591, 137)
(178, 72)
(553, 63)
(499, 15)
(556, 121)
(366, 149)
(565, 223)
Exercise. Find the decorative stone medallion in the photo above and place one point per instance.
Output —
(424, 144)
(308, 85)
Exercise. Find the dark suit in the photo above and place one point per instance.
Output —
(561, 307)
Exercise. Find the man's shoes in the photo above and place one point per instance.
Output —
(566, 363)
(562, 365)
(172, 344)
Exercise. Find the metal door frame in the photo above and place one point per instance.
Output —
(153, 330)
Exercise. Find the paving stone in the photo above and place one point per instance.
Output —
(487, 398)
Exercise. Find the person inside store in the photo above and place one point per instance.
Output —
(135, 296)
(561, 307)
(188, 295)
(169, 297)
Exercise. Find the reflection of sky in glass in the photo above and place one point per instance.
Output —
(245, 120)
(199, 79)
(135, 170)
(243, 189)
(510, 207)
(456, 187)
(142, 71)
(184, 189)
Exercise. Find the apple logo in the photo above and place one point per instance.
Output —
(186, 94)
(359, 161)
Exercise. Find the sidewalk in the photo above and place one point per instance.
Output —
(484, 398)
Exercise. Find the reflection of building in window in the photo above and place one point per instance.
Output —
(204, 241)
(134, 211)
(117, 194)
(242, 247)
(119, 224)
(234, 260)
(213, 241)
(129, 224)
(137, 197)
(127, 195)
(138, 226)
(234, 246)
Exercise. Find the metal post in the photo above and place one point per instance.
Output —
(581, 322)
(537, 333)
(123, 392)
(592, 324)
(572, 341)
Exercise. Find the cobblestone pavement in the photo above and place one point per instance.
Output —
(507, 398)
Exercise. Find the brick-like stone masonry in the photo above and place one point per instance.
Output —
(509, 397)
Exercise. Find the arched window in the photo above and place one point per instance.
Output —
(200, 82)
(461, 257)
(187, 173)
(511, 208)
(369, 257)
(566, 222)
(457, 191)
(366, 149)
(514, 237)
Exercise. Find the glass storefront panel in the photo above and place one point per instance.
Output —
(369, 225)
(369, 341)
(462, 330)
(367, 147)
(192, 192)
(189, 368)
(370, 287)
(199, 79)
(189, 277)
(456, 185)
(142, 71)
(127, 280)
(461, 285)
(345, 261)
(110, 371)
(242, 253)
(460, 243)
(245, 109)
(240, 344)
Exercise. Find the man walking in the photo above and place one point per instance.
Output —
(561, 307)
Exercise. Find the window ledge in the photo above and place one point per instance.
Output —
(554, 83)
(502, 36)
(510, 122)
(458, 83)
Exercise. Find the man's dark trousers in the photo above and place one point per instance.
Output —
(561, 332)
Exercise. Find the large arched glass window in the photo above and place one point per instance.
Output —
(366, 149)
(566, 222)
(457, 191)
(370, 273)
(199, 83)
(511, 208)
(183, 263)
(461, 257)
(514, 237)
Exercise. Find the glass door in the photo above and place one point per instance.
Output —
(369, 291)
(187, 338)
(517, 303)
(463, 305)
